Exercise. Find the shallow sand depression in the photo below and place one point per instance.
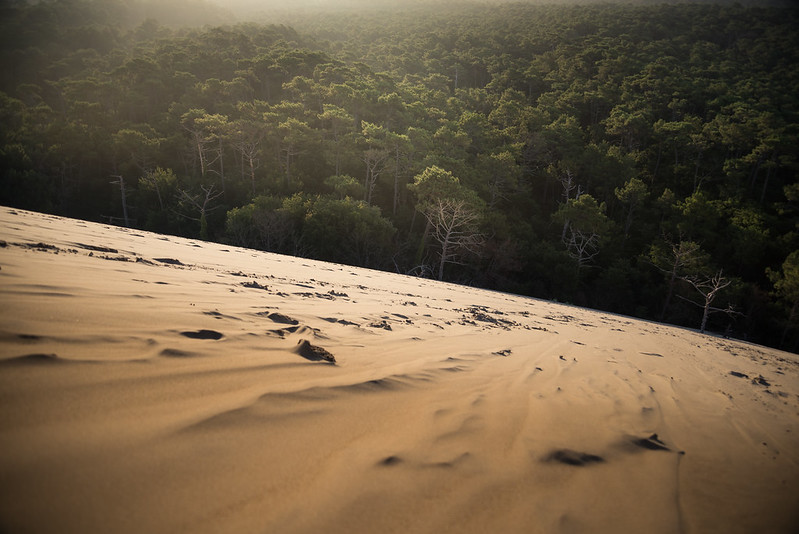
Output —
(156, 384)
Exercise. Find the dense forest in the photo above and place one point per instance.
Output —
(640, 159)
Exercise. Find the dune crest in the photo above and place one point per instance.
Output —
(157, 384)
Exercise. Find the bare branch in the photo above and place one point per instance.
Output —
(709, 289)
(454, 225)
(581, 246)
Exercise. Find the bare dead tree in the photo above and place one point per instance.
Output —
(454, 227)
(294, 135)
(708, 288)
(199, 136)
(201, 204)
(567, 181)
(246, 140)
(121, 182)
(376, 160)
(582, 246)
(151, 181)
(683, 254)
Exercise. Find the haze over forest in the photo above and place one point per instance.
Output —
(636, 158)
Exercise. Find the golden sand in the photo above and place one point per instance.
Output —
(157, 384)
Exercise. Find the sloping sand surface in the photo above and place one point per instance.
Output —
(156, 384)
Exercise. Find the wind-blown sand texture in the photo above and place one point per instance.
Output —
(156, 384)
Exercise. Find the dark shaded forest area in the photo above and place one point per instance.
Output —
(636, 159)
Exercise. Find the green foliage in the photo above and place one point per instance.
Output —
(786, 288)
(786, 283)
(581, 135)
(344, 185)
(348, 231)
(338, 230)
(584, 214)
(434, 183)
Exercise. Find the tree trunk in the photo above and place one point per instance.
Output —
(396, 180)
(696, 171)
(252, 175)
(203, 226)
(366, 183)
(202, 159)
(705, 314)
(444, 247)
(670, 293)
(158, 194)
(222, 166)
(420, 250)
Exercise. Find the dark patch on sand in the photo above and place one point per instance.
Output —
(312, 352)
(29, 337)
(34, 359)
(276, 317)
(339, 321)
(254, 285)
(388, 461)
(170, 261)
(176, 353)
(482, 314)
(97, 248)
(218, 315)
(760, 381)
(297, 329)
(203, 334)
(42, 247)
(652, 443)
(575, 458)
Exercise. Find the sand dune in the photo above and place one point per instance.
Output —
(157, 384)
